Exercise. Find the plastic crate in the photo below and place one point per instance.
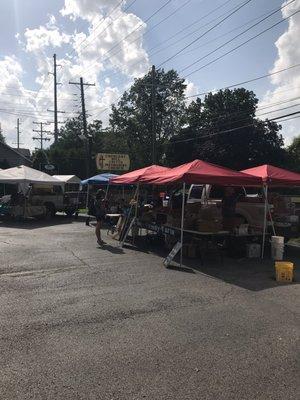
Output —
(284, 271)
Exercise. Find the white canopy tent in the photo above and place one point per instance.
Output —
(68, 178)
(24, 175)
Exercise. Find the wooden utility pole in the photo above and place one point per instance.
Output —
(84, 122)
(153, 113)
(18, 133)
(41, 138)
(55, 111)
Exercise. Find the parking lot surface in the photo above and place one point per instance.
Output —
(80, 322)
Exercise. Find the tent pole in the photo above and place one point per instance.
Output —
(87, 197)
(265, 188)
(106, 193)
(182, 222)
(137, 200)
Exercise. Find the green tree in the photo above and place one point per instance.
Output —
(223, 129)
(294, 154)
(39, 160)
(131, 118)
(69, 154)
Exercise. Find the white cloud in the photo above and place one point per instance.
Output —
(40, 38)
(287, 84)
(87, 9)
(15, 100)
(191, 89)
(109, 53)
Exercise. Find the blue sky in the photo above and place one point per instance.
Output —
(73, 29)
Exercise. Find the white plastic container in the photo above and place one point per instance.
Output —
(277, 247)
(277, 239)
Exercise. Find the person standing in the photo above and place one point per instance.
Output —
(100, 207)
(229, 208)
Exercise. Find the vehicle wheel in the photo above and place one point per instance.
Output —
(69, 213)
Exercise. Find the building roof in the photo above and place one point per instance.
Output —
(17, 152)
(22, 151)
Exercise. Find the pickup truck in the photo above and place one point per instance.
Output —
(250, 209)
(53, 198)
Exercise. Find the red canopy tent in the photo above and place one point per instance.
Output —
(135, 176)
(199, 171)
(274, 176)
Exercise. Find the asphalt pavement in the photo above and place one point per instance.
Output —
(80, 322)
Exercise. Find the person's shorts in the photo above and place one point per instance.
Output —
(100, 217)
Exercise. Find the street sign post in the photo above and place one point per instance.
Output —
(112, 162)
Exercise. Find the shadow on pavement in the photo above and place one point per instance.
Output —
(32, 223)
(250, 274)
(111, 249)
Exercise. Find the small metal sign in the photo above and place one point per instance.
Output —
(112, 162)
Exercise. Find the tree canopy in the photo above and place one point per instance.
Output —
(223, 129)
(294, 154)
(131, 119)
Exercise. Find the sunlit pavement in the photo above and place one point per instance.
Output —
(80, 322)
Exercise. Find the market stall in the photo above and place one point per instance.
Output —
(271, 176)
(195, 172)
(134, 178)
(100, 179)
(72, 182)
(24, 177)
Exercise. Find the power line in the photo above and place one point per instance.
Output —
(183, 30)
(83, 113)
(179, 40)
(130, 33)
(247, 81)
(242, 44)
(237, 36)
(194, 23)
(234, 129)
(97, 26)
(209, 41)
(167, 17)
(206, 32)
(214, 39)
(41, 138)
(99, 34)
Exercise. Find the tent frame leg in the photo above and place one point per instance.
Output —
(182, 222)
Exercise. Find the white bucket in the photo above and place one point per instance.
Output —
(277, 250)
(277, 239)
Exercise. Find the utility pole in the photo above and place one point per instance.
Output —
(55, 111)
(83, 112)
(18, 133)
(153, 113)
(41, 132)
